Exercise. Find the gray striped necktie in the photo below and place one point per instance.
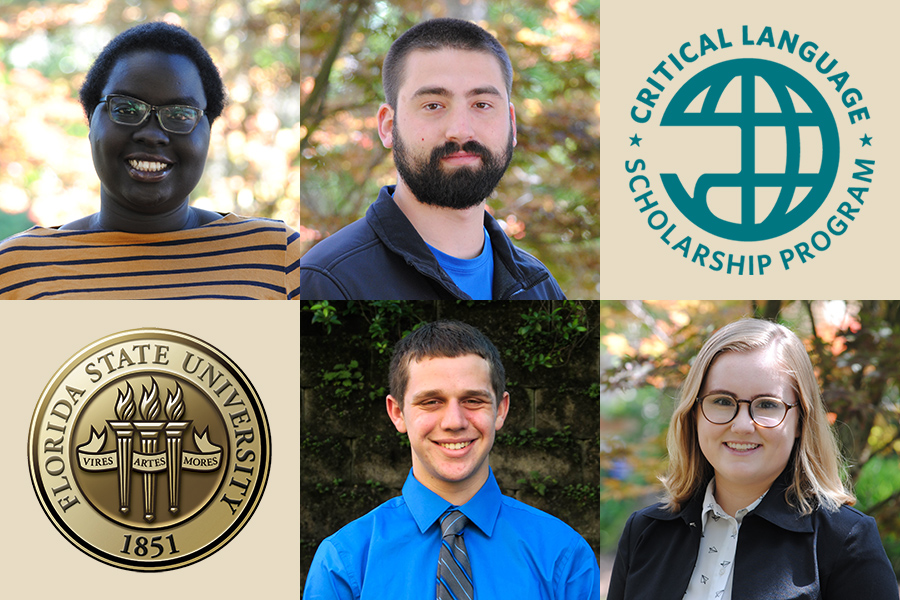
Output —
(454, 574)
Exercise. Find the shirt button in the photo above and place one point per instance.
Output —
(721, 571)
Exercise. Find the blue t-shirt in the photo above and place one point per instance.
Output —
(517, 552)
(474, 276)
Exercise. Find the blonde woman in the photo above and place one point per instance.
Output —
(755, 507)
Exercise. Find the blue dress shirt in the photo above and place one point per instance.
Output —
(517, 552)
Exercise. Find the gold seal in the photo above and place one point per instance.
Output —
(149, 450)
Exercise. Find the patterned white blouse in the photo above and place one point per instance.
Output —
(713, 572)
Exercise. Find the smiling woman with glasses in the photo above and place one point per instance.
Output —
(756, 506)
(150, 99)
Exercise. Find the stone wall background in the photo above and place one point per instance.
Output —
(547, 454)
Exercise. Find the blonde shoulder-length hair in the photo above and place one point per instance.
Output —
(818, 477)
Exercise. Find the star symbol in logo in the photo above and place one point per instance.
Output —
(866, 140)
(636, 141)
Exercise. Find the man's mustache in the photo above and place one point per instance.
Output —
(471, 147)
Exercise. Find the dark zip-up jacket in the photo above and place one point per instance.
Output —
(781, 554)
(382, 257)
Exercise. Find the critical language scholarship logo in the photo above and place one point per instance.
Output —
(149, 450)
(752, 151)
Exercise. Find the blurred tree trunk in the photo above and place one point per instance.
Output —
(769, 309)
(313, 110)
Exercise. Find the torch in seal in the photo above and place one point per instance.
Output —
(149, 430)
(174, 434)
(124, 430)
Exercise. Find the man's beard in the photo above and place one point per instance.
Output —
(461, 188)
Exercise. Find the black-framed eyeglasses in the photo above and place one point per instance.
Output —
(173, 118)
(720, 408)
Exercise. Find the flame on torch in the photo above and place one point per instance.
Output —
(150, 405)
(175, 404)
(125, 405)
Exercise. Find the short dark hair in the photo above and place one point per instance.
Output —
(163, 37)
(437, 34)
(444, 339)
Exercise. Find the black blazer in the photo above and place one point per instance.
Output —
(781, 555)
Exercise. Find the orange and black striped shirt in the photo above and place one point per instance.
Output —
(233, 257)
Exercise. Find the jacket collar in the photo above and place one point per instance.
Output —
(773, 508)
(400, 237)
(511, 276)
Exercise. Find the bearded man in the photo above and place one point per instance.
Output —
(452, 128)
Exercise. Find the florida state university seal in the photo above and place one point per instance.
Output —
(149, 450)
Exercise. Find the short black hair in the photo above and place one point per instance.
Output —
(437, 34)
(444, 339)
(163, 37)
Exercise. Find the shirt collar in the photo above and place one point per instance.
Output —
(464, 265)
(426, 507)
(711, 508)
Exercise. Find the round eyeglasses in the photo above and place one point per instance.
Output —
(720, 408)
(173, 118)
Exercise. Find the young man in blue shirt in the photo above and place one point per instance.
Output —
(451, 126)
(452, 534)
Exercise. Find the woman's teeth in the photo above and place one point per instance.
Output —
(734, 446)
(147, 166)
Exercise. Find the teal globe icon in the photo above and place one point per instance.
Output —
(756, 222)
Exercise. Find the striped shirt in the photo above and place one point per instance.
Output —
(233, 257)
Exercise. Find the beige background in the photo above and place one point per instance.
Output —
(636, 37)
(262, 560)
